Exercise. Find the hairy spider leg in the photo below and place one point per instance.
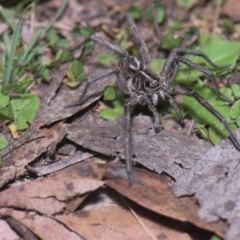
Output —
(140, 42)
(176, 89)
(129, 107)
(175, 57)
(104, 43)
(175, 106)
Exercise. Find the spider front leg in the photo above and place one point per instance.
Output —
(171, 66)
(185, 91)
(104, 43)
(207, 73)
(140, 42)
(129, 107)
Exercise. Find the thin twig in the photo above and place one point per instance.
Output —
(148, 232)
(191, 127)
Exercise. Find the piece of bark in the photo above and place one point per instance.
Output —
(167, 151)
(215, 178)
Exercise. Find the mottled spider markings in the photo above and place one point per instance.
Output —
(144, 87)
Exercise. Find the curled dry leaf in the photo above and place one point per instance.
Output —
(113, 222)
(53, 194)
(152, 192)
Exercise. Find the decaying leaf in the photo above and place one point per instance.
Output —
(52, 194)
(6, 232)
(42, 226)
(152, 192)
(214, 179)
(119, 224)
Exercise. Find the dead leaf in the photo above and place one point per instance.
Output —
(52, 194)
(6, 232)
(23, 231)
(113, 222)
(152, 192)
(43, 227)
(231, 9)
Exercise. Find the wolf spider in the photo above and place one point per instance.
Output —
(144, 87)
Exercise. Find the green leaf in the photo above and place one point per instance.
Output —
(236, 90)
(227, 92)
(113, 113)
(157, 64)
(104, 58)
(170, 41)
(238, 121)
(109, 94)
(16, 85)
(24, 109)
(3, 143)
(217, 133)
(76, 74)
(52, 37)
(228, 25)
(235, 110)
(221, 52)
(61, 57)
(6, 113)
(203, 116)
(176, 25)
(215, 238)
(187, 4)
(202, 131)
(160, 13)
(4, 100)
(135, 12)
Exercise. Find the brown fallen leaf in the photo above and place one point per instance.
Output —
(54, 193)
(22, 230)
(151, 191)
(231, 9)
(6, 232)
(42, 226)
(114, 222)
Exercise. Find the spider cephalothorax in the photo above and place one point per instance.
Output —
(144, 87)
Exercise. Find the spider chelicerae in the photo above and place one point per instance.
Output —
(144, 87)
